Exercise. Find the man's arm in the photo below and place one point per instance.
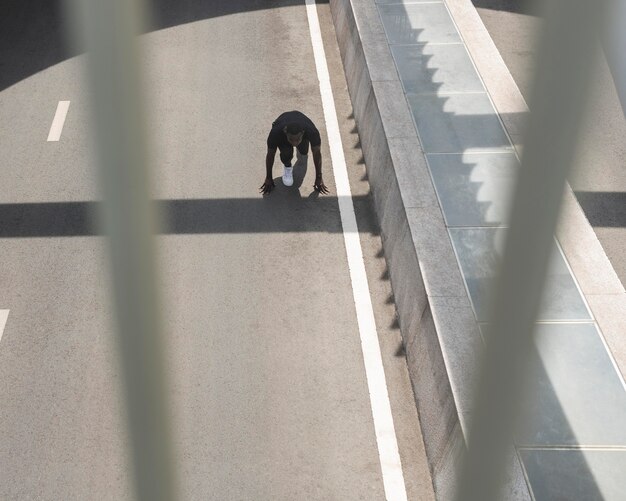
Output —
(268, 184)
(317, 160)
(269, 162)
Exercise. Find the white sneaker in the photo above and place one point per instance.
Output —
(288, 176)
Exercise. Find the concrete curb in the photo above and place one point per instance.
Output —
(433, 308)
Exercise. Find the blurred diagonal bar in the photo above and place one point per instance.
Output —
(564, 71)
(615, 48)
(108, 30)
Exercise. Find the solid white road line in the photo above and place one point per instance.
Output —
(389, 456)
(58, 121)
(4, 314)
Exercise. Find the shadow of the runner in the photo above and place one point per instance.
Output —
(299, 174)
(300, 169)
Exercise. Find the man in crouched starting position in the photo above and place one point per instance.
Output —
(290, 129)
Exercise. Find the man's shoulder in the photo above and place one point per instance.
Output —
(294, 116)
(274, 138)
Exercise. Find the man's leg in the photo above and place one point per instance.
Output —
(286, 154)
(303, 148)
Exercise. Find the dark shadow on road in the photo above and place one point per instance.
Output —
(284, 211)
(603, 209)
(528, 7)
(32, 32)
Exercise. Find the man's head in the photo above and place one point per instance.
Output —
(294, 134)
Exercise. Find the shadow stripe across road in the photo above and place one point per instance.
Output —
(199, 216)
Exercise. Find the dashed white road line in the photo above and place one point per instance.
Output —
(4, 315)
(393, 478)
(58, 121)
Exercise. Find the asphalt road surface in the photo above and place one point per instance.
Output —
(599, 180)
(266, 374)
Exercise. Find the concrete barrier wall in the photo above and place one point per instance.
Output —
(399, 182)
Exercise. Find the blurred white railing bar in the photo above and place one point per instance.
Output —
(108, 29)
(615, 48)
(566, 55)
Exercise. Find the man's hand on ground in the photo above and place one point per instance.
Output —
(267, 186)
(320, 187)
